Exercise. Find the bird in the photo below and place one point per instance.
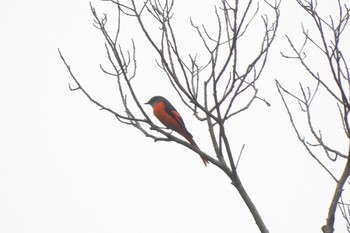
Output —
(165, 112)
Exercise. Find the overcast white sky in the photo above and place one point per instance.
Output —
(66, 167)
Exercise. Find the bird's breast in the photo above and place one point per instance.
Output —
(159, 110)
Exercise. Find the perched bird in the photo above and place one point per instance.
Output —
(170, 118)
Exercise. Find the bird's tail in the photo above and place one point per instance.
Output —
(189, 138)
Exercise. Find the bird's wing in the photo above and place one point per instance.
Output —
(177, 117)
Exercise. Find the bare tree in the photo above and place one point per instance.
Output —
(215, 91)
(324, 43)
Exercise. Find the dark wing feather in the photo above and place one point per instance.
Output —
(175, 114)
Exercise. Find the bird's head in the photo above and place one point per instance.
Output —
(154, 100)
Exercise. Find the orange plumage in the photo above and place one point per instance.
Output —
(170, 118)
